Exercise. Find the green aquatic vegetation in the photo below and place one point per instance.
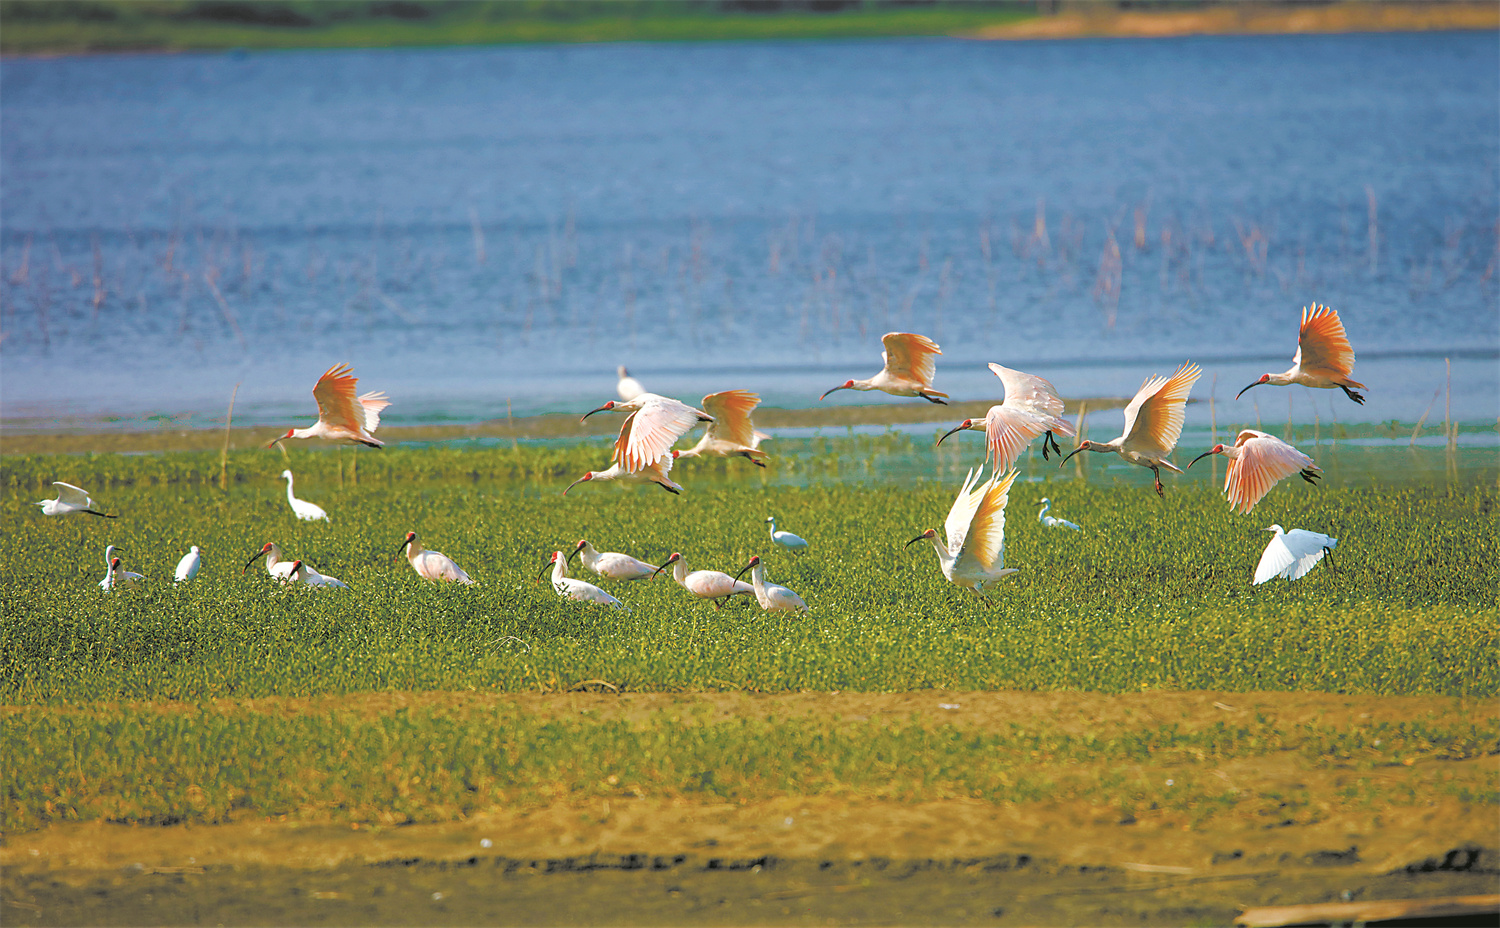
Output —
(1155, 594)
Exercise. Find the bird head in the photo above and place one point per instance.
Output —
(1273, 527)
(1264, 378)
(295, 573)
(966, 424)
(846, 385)
(548, 566)
(670, 561)
(279, 439)
(587, 476)
(114, 563)
(1216, 449)
(1045, 502)
(410, 537)
(611, 404)
(265, 549)
(930, 533)
(1084, 445)
(754, 562)
(286, 474)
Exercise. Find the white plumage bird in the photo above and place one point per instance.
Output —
(307, 512)
(70, 499)
(278, 567)
(910, 366)
(612, 564)
(1032, 408)
(786, 539)
(187, 568)
(731, 433)
(713, 585)
(629, 388)
(1257, 462)
(1153, 423)
(342, 416)
(570, 588)
(772, 597)
(975, 551)
(431, 565)
(653, 426)
(1053, 521)
(1292, 554)
(115, 576)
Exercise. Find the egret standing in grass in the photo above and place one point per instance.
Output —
(569, 588)
(1153, 423)
(70, 499)
(1292, 554)
(1053, 521)
(786, 539)
(1257, 461)
(342, 416)
(612, 564)
(431, 565)
(1032, 408)
(910, 366)
(1324, 358)
(187, 568)
(705, 584)
(975, 551)
(772, 598)
(307, 512)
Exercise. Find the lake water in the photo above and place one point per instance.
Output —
(474, 226)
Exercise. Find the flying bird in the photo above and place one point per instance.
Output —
(653, 426)
(910, 365)
(772, 598)
(1257, 462)
(1153, 423)
(730, 432)
(307, 512)
(1324, 358)
(1032, 408)
(342, 416)
(1292, 554)
(653, 473)
(569, 588)
(187, 568)
(431, 565)
(70, 499)
(975, 550)
(705, 584)
(612, 564)
(1053, 521)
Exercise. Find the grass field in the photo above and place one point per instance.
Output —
(398, 703)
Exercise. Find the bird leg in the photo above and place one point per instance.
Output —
(942, 402)
(1328, 553)
(1356, 397)
(1310, 475)
(1049, 438)
(1155, 470)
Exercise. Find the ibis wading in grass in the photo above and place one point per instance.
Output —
(772, 598)
(1153, 423)
(187, 568)
(303, 573)
(342, 416)
(705, 584)
(1032, 408)
(1292, 554)
(785, 539)
(612, 564)
(307, 512)
(431, 565)
(569, 588)
(731, 433)
(1257, 461)
(70, 499)
(910, 366)
(276, 566)
(1324, 358)
(975, 550)
(116, 576)
(1053, 521)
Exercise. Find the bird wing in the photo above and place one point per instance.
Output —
(1028, 391)
(1007, 432)
(373, 403)
(1307, 548)
(986, 539)
(1321, 343)
(337, 405)
(731, 412)
(649, 432)
(1274, 560)
(1263, 460)
(71, 495)
(1153, 420)
(909, 356)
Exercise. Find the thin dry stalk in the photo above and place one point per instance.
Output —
(224, 454)
(1083, 432)
(213, 288)
(1418, 430)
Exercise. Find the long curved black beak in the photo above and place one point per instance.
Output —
(957, 428)
(1199, 458)
(574, 552)
(592, 411)
(661, 568)
(545, 567)
(1070, 454)
(249, 562)
(839, 387)
(752, 563)
(1242, 392)
(914, 541)
(573, 484)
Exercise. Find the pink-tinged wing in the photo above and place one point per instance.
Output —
(1262, 462)
(731, 412)
(1322, 345)
(909, 356)
(1007, 432)
(373, 403)
(986, 540)
(961, 513)
(337, 405)
(1028, 391)
(1153, 420)
(649, 432)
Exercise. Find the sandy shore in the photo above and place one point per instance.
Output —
(1105, 21)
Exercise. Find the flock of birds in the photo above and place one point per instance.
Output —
(971, 549)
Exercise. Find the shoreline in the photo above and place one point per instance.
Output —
(55, 38)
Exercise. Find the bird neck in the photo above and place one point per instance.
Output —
(289, 495)
(941, 548)
(1046, 508)
(589, 555)
(559, 568)
(414, 550)
(273, 557)
(758, 579)
(680, 571)
(311, 431)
